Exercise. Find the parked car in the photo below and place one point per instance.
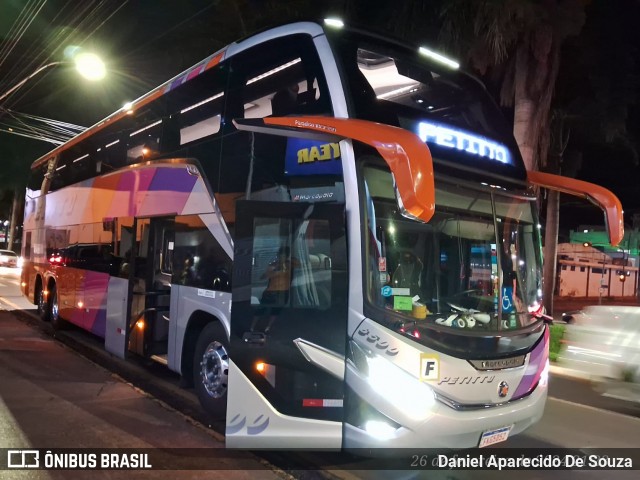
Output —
(8, 259)
(603, 344)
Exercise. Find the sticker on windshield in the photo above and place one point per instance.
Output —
(382, 264)
(387, 291)
(402, 303)
(402, 291)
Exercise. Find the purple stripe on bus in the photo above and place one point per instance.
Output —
(99, 326)
(176, 83)
(194, 72)
(94, 286)
(526, 382)
(137, 180)
(173, 180)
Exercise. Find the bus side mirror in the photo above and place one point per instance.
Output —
(598, 195)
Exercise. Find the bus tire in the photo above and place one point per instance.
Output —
(211, 369)
(41, 302)
(54, 310)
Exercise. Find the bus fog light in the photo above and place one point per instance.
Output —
(379, 430)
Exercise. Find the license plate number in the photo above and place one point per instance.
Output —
(497, 435)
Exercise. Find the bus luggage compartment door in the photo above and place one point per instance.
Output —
(116, 336)
(288, 326)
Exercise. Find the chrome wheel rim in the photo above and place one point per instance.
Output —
(214, 369)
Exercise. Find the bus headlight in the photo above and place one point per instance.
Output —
(379, 430)
(405, 392)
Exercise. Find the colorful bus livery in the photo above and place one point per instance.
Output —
(332, 237)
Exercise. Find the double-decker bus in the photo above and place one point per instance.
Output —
(331, 235)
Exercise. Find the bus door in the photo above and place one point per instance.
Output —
(150, 286)
(288, 326)
(138, 298)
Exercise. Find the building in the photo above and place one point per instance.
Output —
(586, 271)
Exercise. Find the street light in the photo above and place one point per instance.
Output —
(88, 65)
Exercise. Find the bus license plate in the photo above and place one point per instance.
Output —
(497, 435)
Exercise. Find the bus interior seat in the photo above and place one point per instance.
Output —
(285, 101)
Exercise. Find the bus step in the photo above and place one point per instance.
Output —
(160, 359)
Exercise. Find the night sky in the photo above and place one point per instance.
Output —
(146, 42)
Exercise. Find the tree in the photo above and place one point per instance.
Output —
(13, 177)
(519, 41)
(595, 97)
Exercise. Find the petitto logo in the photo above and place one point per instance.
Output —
(23, 459)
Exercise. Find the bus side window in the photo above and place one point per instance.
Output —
(280, 77)
(198, 259)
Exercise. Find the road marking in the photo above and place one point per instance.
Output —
(596, 409)
(11, 304)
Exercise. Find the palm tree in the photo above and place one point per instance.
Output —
(519, 42)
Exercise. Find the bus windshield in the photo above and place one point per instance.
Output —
(475, 266)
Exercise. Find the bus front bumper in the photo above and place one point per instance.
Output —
(447, 427)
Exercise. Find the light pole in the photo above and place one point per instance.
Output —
(88, 65)
(5, 225)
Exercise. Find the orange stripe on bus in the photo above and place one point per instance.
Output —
(214, 61)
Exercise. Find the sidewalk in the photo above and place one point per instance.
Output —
(53, 398)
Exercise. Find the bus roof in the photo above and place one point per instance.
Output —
(303, 27)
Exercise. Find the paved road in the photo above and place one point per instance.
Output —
(50, 395)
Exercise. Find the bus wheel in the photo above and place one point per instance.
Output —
(54, 312)
(41, 302)
(211, 369)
